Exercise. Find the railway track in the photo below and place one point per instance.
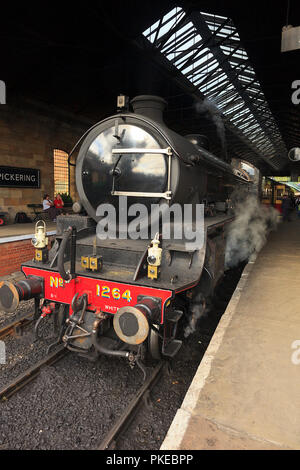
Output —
(15, 327)
(120, 426)
(32, 373)
(142, 396)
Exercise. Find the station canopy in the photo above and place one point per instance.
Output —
(206, 49)
(219, 66)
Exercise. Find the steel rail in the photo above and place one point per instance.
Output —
(129, 413)
(12, 328)
(30, 374)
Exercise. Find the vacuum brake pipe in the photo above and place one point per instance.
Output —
(103, 349)
(69, 233)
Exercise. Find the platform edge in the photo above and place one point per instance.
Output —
(179, 425)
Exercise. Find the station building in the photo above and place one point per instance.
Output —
(34, 146)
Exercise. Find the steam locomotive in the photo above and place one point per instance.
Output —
(121, 296)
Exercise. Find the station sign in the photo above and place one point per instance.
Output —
(11, 177)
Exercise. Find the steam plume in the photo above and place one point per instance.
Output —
(197, 310)
(248, 233)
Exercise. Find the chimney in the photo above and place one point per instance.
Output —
(149, 106)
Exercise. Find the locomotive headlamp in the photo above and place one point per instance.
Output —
(154, 258)
(151, 259)
(122, 102)
(40, 242)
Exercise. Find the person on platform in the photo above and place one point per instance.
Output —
(58, 203)
(298, 206)
(48, 206)
(286, 207)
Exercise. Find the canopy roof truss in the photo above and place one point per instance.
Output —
(207, 52)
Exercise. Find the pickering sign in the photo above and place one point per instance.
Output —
(2, 92)
(11, 177)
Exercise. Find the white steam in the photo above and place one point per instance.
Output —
(212, 112)
(246, 236)
(197, 310)
(248, 232)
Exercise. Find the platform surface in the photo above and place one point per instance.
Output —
(246, 392)
(20, 230)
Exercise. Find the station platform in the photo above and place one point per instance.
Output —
(16, 246)
(246, 391)
(17, 232)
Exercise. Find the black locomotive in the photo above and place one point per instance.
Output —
(122, 296)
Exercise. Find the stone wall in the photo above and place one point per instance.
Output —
(28, 136)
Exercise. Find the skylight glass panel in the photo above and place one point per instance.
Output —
(214, 18)
(241, 114)
(231, 83)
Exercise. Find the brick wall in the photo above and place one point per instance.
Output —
(27, 139)
(13, 254)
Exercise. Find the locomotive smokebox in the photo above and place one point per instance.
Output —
(131, 324)
(11, 294)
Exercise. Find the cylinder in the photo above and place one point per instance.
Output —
(12, 293)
